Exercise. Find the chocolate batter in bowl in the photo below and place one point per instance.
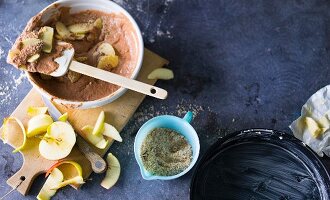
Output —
(119, 29)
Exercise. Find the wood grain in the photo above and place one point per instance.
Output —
(117, 113)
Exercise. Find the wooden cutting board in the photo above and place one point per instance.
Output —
(117, 113)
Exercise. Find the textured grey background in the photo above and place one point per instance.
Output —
(237, 64)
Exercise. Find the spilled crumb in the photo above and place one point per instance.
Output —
(153, 30)
(8, 87)
(2, 53)
(179, 110)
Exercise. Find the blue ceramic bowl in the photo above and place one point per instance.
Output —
(180, 125)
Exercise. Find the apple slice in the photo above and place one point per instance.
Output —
(106, 48)
(107, 62)
(96, 140)
(33, 111)
(102, 144)
(46, 34)
(313, 127)
(33, 58)
(63, 118)
(111, 131)
(99, 125)
(80, 28)
(113, 172)
(161, 73)
(62, 30)
(58, 142)
(53, 180)
(38, 124)
(98, 23)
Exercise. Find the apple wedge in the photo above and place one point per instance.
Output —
(111, 131)
(63, 118)
(58, 142)
(113, 172)
(38, 124)
(96, 140)
(99, 125)
(46, 34)
(53, 180)
(161, 73)
(33, 111)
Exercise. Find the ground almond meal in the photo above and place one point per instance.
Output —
(165, 152)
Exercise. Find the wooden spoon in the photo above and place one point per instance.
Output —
(65, 63)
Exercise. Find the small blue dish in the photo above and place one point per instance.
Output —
(180, 125)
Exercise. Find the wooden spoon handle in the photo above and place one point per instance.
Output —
(118, 80)
(97, 162)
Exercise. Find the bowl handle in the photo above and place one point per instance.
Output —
(188, 116)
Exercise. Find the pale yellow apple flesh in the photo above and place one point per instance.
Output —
(38, 124)
(161, 73)
(96, 140)
(53, 180)
(33, 111)
(313, 127)
(113, 172)
(111, 131)
(58, 141)
(99, 125)
(63, 118)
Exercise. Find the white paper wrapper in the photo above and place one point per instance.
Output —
(318, 108)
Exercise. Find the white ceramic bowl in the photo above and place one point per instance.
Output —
(101, 5)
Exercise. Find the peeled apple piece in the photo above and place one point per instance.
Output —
(31, 42)
(33, 111)
(62, 30)
(53, 181)
(107, 62)
(33, 58)
(99, 125)
(161, 73)
(106, 49)
(46, 34)
(312, 127)
(80, 28)
(113, 172)
(38, 124)
(98, 23)
(58, 141)
(111, 131)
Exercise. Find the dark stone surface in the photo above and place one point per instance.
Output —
(238, 64)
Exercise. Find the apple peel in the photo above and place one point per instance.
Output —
(4, 134)
(75, 180)
(99, 125)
